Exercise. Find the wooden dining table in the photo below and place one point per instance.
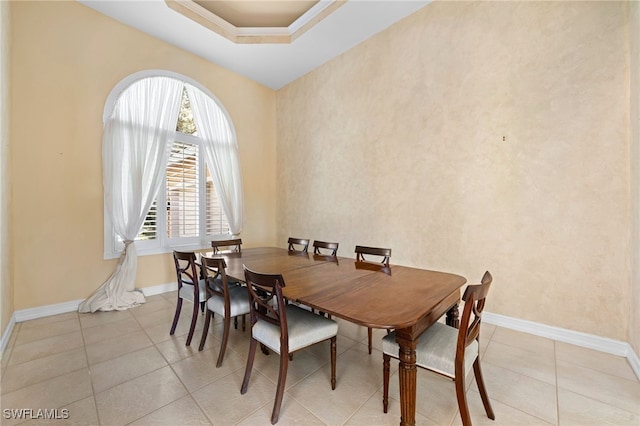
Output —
(402, 298)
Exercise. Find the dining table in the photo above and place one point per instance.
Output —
(405, 299)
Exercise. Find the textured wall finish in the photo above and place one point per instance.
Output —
(6, 287)
(65, 59)
(474, 136)
(634, 43)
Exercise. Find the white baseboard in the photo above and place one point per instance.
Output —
(602, 344)
(577, 338)
(7, 335)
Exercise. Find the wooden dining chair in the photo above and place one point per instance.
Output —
(298, 245)
(231, 245)
(449, 351)
(363, 254)
(283, 328)
(324, 248)
(223, 299)
(190, 287)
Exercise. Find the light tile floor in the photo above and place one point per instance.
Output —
(119, 368)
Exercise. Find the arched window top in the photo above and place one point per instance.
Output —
(126, 82)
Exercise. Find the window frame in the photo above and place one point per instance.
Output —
(163, 244)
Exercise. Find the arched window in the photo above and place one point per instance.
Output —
(200, 193)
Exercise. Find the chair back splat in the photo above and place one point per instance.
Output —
(324, 248)
(298, 245)
(384, 253)
(231, 245)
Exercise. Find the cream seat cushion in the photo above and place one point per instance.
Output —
(305, 329)
(238, 302)
(186, 292)
(436, 349)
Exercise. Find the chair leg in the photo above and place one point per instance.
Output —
(202, 306)
(225, 338)
(462, 400)
(370, 334)
(235, 323)
(333, 362)
(244, 323)
(247, 371)
(205, 330)
(483, 391)
(385, 380)
(176, 316)
(194, 320)
(282, 378)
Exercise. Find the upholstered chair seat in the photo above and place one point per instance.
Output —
(305, 329)
(436, 349)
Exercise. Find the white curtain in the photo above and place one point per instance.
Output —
(135, 147)
(221, 154)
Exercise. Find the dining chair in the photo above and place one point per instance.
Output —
(283, 328)
(295, 242)
(449, 351)
(223, 299)
(190, 287)
(231, 245)
(363, 254)
(324, 248)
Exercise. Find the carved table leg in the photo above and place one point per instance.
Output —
(453, 317)
(407, 374)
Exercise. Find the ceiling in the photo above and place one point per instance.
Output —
(271, 42)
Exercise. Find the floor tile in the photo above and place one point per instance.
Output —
(50, 394)
(117, 346)
(371, 413)
(136, 398)
(579, 410)
(603, 387)
(534, 397)
(504, 414)
(88, 320)
(606, 363)
(29, 373)
(79, 413)
(118, 370)
(523, 340)
(230, 406)
(184, 411)
(31, 334)
(102, 332)
(45, 347)
(291, 413)
(200, 370)
(539, 365)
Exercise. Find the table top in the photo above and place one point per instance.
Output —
(360, 292)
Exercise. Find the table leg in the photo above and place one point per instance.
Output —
(453, 317)
(407, 374)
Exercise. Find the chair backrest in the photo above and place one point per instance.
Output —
(186, 270)
(385, 253)
(233, 245)
(325, 248)
(302, 242)
(267, 303)
(474, 299)
(215, 275)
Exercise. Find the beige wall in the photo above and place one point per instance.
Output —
(399, 143)
(634, 43)
(6, 287)
(65, 61)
